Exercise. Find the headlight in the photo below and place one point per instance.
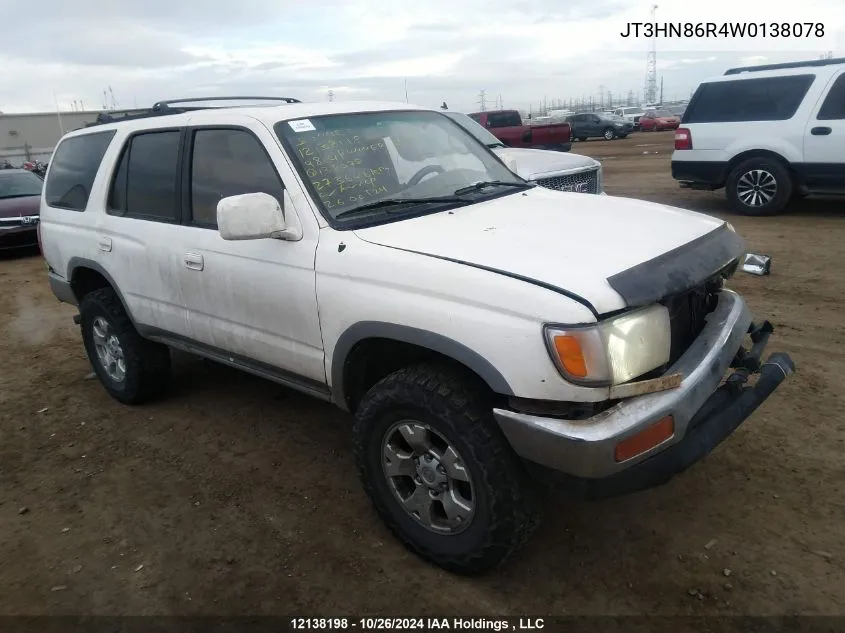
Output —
(613, 351)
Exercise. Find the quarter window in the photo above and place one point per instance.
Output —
(73, 168)
(761, 99)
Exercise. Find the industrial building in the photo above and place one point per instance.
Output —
(34, 135)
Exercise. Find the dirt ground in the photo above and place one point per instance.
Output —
(237, 496)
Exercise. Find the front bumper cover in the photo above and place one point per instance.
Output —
(705, 413)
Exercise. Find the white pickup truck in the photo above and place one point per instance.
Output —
(563, 171)
(487, 334)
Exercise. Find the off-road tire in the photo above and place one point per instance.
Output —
(774, 167)
(147, 363)
(458, 407)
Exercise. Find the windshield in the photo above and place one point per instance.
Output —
(475, 128)
(352, 161)
(20, 184)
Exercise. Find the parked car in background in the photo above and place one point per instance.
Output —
(508, 127)
(659, 120)
(630, 113)
(592, 125)
(553, 170)
(20, 201)
(766, 134)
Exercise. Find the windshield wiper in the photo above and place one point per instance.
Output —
(390, 202)
(492, 183)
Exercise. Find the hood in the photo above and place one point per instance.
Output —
(536, 163)
(608, 252)
(667, 119)
(16, 207)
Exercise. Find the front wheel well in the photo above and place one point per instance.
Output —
(375, 358)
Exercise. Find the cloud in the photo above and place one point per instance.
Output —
(523, 50)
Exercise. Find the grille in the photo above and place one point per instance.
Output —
(582, 182)
(687, 312)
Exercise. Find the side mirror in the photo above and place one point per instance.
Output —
(253, 216)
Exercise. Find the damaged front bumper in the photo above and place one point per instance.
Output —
(703, 410)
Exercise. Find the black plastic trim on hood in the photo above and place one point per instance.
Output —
(505, 273)
(678, 270)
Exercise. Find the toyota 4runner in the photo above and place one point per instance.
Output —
(487, 334)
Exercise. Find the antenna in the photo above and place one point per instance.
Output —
(651, 64)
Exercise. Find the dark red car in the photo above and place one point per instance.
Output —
(508, 127)
(20, 202)
(658, 120)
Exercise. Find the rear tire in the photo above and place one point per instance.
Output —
(582, 138)
(131, 368)
(439, 406)
(759, 186)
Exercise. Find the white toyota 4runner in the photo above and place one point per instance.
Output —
(487, 334)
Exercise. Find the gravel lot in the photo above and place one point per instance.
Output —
(237, 496)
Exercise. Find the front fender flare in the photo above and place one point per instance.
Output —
(444, 345)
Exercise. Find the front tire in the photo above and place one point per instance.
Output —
(609, 134)
(759, 186)
(131, 368)
(439, 471)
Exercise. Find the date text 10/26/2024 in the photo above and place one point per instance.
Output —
(423, 625)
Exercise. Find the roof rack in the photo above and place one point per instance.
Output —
(163, 108)
(812, 62)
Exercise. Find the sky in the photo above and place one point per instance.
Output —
(519, 51)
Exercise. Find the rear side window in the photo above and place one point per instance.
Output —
(762, 99)
(228, 162)
(833, 107)
(504, 119)
(145, 184)
(73, 168)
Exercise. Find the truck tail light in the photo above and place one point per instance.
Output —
(683, 138)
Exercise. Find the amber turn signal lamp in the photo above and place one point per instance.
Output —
(646, 439)
(571, 356)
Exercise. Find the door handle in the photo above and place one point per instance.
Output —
(820, 131)
(194, 261)
(104, 243)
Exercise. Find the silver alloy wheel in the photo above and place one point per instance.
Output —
(608, 134)
(109, 351)
(756, 188)
(428, 477)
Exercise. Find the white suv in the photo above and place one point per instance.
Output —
(766, 134)
(485, 332)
